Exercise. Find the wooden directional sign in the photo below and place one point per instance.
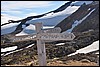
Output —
(23, 38)
(33, 36)
(40, 46)
(51, 30)
(56, 36)
(43, 35)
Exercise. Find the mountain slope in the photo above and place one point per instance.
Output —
(92, 22)
(85, 18)
(50, 18)
(23, 21)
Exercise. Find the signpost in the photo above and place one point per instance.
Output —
(33, 36)
(40, 46)
(56, 36)
(43, 35)
(23, 38)
(52, 30)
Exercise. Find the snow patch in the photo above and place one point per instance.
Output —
(79, 3)
(93, 47)
(23, 26)
(60, 44)
(8, 49)
(30, 46)
(9, 28)
(74, 24)
(31, 30)
(80, 21)
(89, 9)
(54, 18)
(11, 52)
(12, 48)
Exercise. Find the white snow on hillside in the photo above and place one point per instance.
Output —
(31, 30)
(54, 18)
(8, 30)
(5, 18)
(30, 46)
(69, 10)
(93, 47)
(50, 19)
(60, 44)
(8, 49)
(80, 21)
(12, 48)
(73, 25)
(11, 52)
(9, 27)
(78, 3)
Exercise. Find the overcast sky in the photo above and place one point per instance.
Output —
(24, 9)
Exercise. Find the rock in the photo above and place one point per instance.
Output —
(85, 60)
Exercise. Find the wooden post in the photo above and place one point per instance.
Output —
(40, 46)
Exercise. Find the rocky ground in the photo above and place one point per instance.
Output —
(56, 55)
(76, 60)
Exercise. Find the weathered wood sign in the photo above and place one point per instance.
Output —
(56, 36)
(52, 30)
(43, 35)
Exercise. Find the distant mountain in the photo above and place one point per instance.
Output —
(51, 18)
(18, 28)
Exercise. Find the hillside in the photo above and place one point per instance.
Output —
(84, 19)
(80, 18)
